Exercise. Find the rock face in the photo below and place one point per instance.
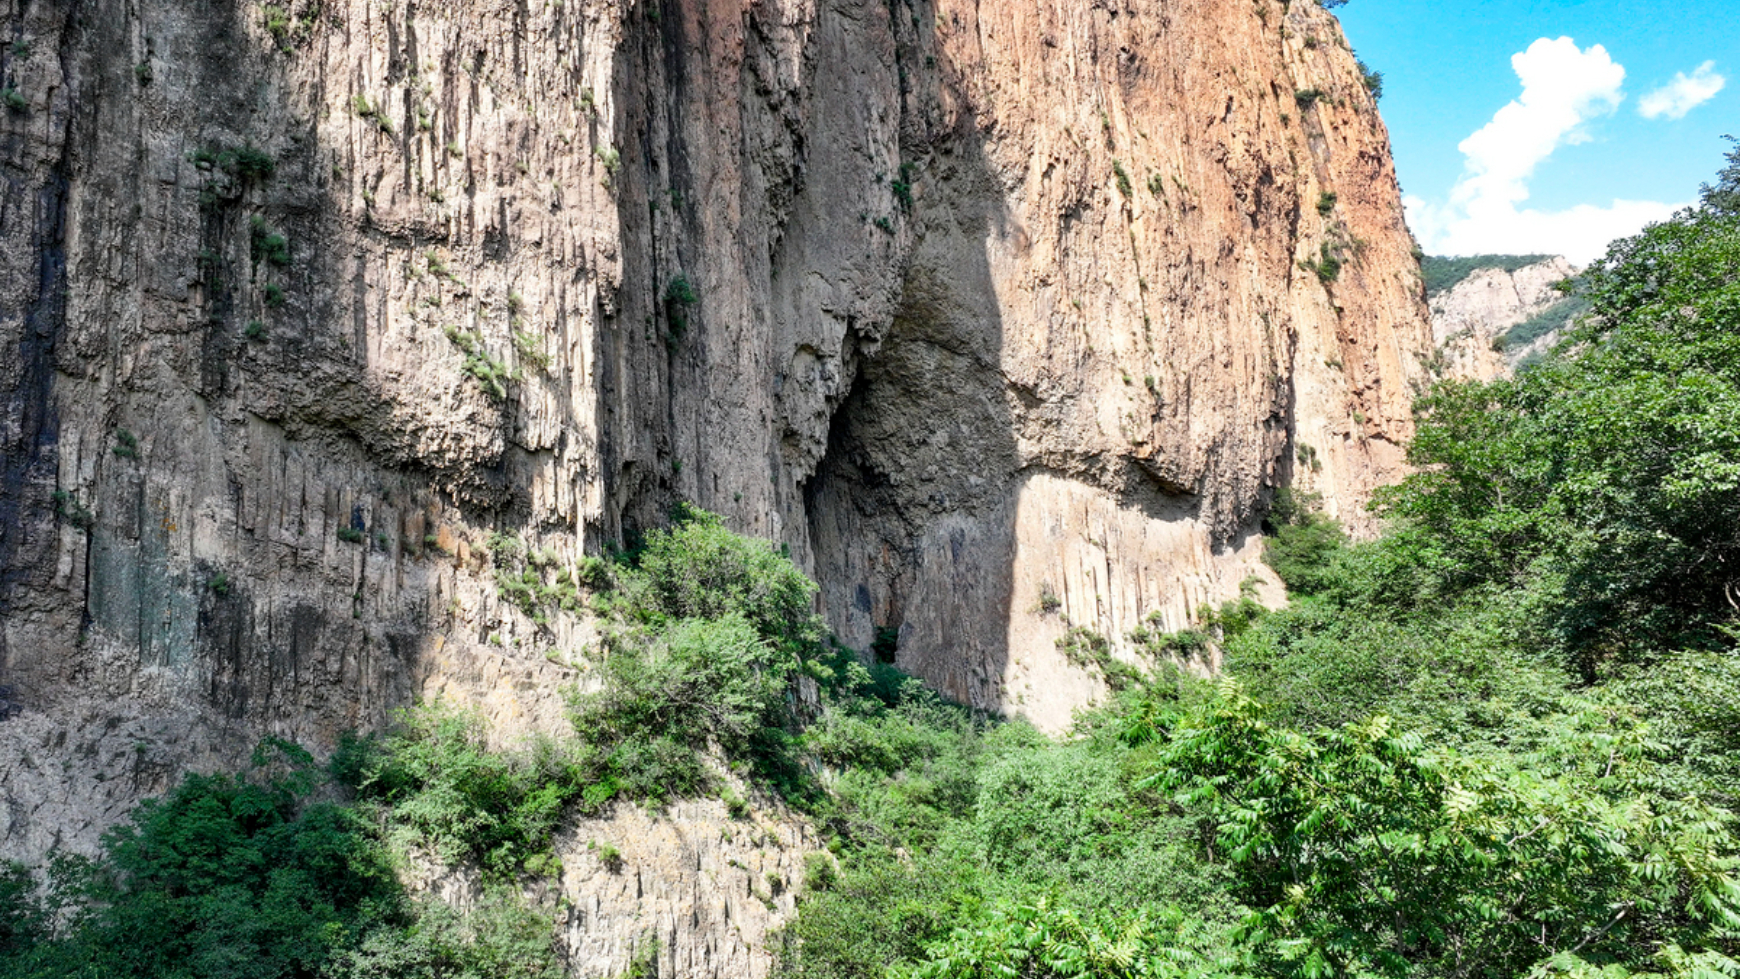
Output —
(691, 891)
(315, 316)
(1471, 318)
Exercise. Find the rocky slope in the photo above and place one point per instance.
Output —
(316, 317)
(1471, 319)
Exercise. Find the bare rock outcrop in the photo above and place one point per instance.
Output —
(314, 321)
(1471, 318)
(689, 889)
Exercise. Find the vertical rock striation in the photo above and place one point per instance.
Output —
(320, 316)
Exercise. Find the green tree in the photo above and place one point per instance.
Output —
(224, 876)
(1363, 851)
(667, 698)
(1605, 481)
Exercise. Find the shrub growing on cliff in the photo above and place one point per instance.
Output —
(266, 245)
(680, 297)
(1373, 80)
(699, 683)
(439, 785)
(699, 569)
(1327, 265)
(1302, 542)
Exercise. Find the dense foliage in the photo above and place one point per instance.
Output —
(246, 877)
(1606, 482)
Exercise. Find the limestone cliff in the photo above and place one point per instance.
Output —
(314, 315)
(1472, 320)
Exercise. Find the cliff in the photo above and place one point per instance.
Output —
(321, 318)
(1473, 321)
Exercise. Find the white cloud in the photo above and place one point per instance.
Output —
(1581, 233)
(1563, 88)
(1683, 94)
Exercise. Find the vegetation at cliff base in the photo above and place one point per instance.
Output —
(247, 876)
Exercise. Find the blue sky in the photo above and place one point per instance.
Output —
(1613, 127)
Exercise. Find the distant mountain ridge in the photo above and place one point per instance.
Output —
(1492, 313)
(1442, 273)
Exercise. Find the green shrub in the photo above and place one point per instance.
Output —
(698, 569)
(531, 350)
(266, 245)
(869, 734)
(1327, 266)
(249, 163)
(736, 806)
(533, 582)
(1123, 179)
(680, 297)
(1182, 646)
(820, 872)
(442, 787)
(492, 374)
(698, 682)
(1373, 80)
(500, 937)
(609, 856)
(277, 22)
(223, 876)
(24, 922)
(1302, 544)
(68, 508)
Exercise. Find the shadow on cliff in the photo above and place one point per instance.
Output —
(911, 512)
(907, 520)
